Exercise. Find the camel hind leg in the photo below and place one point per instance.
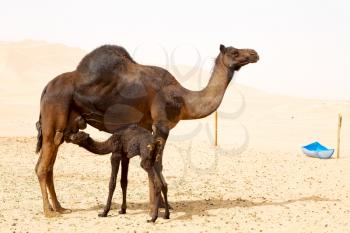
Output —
(51, 187)
(42, 170)
(53, 125)
(75, 122)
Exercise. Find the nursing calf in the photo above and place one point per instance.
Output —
(124, 144)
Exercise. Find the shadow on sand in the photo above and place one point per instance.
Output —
(200, 207)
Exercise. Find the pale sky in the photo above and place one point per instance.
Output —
(303, 45)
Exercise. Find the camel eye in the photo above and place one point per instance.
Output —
(235, 53)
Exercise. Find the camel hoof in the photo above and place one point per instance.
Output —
(153, 220)
(162, 205)
(51, 214)
(62, 210)
(122, 211)
(166, 216)
(103, 215)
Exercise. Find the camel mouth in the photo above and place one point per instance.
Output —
(245, 63)
(251, 59)
(248, 61)
(254, 58)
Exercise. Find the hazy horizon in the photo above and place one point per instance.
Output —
(303, 46)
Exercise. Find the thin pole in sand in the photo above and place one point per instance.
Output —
(340, 118)
(216, 129)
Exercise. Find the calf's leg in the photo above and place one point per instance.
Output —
(124, 182)
(115, 161)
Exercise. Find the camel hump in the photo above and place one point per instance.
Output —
(104, 60)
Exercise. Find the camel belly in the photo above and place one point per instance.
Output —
(112, 112)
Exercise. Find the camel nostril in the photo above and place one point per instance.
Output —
(254, 57)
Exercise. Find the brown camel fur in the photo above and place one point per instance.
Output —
(124, 144)
(109, 89)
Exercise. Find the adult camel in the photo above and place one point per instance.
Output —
(109, 89)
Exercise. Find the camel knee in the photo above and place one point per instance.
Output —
(41, 172)
(124, 182)
(37, 165)
(161, 130)
(115, 159)
(46, 160)
(159, 186)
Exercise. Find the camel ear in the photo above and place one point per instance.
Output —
(222, 48)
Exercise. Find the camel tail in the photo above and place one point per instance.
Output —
(39, 142)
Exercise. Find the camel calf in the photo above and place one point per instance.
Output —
(124, 144)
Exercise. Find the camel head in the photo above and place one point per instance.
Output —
(147, 149)
(79, 138)
(234, 58)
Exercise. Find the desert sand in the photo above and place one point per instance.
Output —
(256, 180)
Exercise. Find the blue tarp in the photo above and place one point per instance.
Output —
(317, 150)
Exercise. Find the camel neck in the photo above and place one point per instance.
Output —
(202, 103)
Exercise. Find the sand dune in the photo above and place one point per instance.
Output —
(257, 180)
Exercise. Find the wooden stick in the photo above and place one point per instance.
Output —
(216, 129)
(340, 118)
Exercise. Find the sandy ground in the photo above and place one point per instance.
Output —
(210, 191)
(257, 180)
